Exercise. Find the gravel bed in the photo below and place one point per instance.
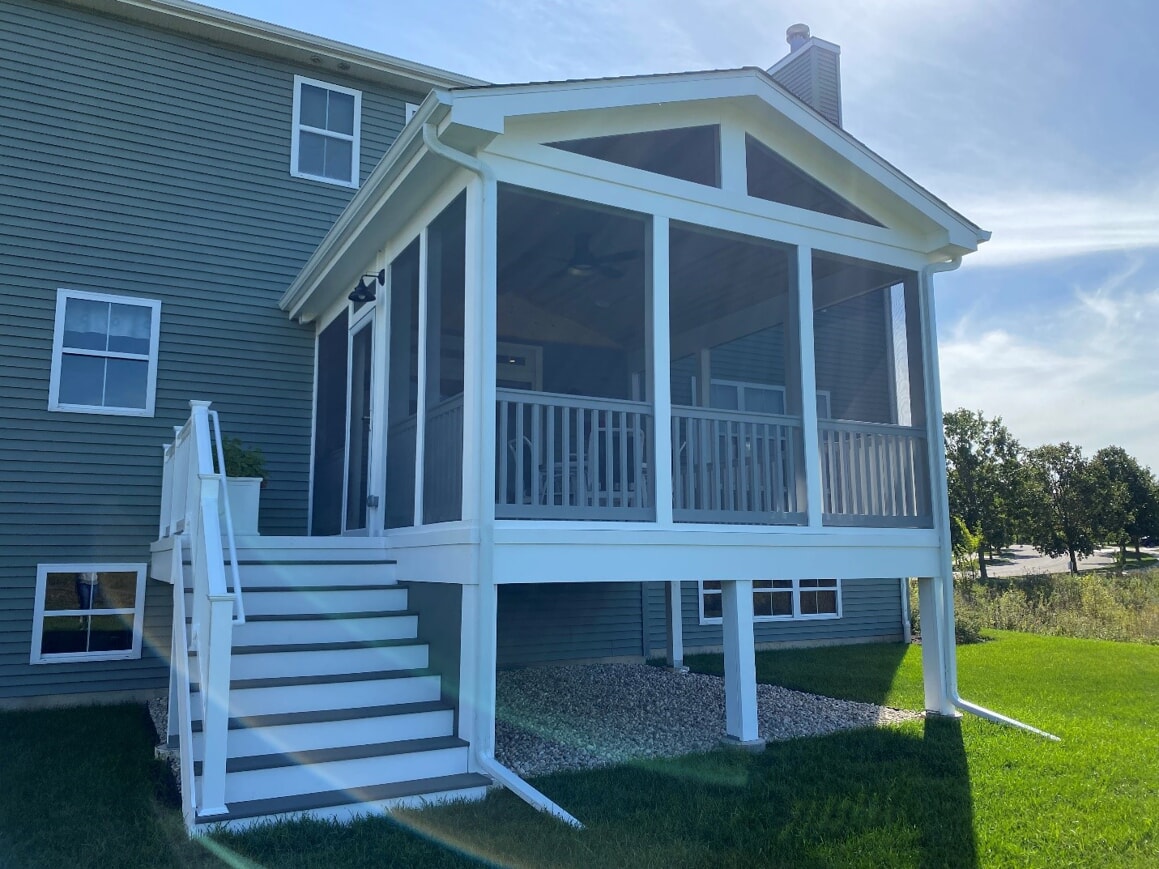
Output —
(591, 715)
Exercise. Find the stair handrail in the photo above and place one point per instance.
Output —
(235, 584)
(211, 631)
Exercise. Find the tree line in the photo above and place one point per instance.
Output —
(1051, 497)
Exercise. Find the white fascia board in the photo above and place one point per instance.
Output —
(251, 34)
(489, 108)
(365, 204)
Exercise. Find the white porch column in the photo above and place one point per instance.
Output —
(740, 664)
(660, 366)
(675, 620)
(808, 374)
(930, 591)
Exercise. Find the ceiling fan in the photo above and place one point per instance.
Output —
(584, 262)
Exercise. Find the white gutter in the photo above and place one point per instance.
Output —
(485, 757)
(950, 647)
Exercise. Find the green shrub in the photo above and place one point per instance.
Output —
(241, 461)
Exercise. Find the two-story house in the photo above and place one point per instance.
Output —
(545, 372)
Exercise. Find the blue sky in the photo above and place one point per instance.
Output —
(1035, 119)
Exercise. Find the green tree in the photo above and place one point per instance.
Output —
(1135, 513)
(984, 476)
(1067, 501)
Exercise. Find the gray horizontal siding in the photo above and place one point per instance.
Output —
(557, 622)
(871, 609)
(145, 163)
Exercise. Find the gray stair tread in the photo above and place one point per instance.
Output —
(320, 647)
(323, 715)
(283, 681)
(315, 617)
(311, 562)
(353, 796)
(260, 589)
(346, 752)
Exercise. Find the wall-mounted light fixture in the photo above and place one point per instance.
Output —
(365, 291)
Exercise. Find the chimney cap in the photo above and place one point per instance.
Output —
(797, 35)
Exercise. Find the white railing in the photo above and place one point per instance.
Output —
(874, 475)
(729, 466)
(191, 494)
(571, 457)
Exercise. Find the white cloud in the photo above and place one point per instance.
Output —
(1085, 370)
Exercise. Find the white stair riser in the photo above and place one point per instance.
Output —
(353, 811)
(343, 774)
(336, 695)
(272, 603)
(257, 575)
(334, 662)
(287, 738)
(324, 630)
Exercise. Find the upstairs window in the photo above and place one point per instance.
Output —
(690, 154)
(104, 354)
(327, 127)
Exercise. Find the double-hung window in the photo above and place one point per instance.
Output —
(327, 129)
(104, 354)
(778, 599)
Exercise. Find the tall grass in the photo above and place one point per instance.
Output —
(1093, 606)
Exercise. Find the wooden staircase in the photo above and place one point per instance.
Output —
(333, 708)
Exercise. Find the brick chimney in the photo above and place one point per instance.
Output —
(811, 72)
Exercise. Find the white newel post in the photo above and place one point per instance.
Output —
(933, 644)
(740, 664)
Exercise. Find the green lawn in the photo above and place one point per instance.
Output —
(78, 787)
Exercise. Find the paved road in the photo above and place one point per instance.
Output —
(1020, 560)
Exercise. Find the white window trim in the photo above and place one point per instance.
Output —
(297, 127)
(797, 615)
(138, 613)
(58, 350)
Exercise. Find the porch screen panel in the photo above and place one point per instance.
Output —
(402, 388)
(867, 344)
(443, 432)
(329, 429)
(736, 407)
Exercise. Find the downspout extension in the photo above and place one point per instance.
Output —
(485, 758)
(950, 647)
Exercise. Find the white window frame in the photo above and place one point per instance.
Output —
(298, 127)
(138, 612)
(796, 615)
(63, 296)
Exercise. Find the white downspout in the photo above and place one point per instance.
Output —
(950, 649)
(485, 757)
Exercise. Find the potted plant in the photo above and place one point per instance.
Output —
(245, 471)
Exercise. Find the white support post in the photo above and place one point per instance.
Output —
(660, 368)
(808, 374)
(485, 665)
(675, 619)
(933, 645)
(740, 664)
(421, 408)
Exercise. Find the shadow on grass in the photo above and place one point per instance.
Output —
(869, 798)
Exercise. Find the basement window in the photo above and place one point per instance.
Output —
(87, 612)
(778, 600)
(327, 130)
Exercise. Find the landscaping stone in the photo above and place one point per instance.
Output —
(591, 715)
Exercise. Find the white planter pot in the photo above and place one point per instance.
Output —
(244, 494)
